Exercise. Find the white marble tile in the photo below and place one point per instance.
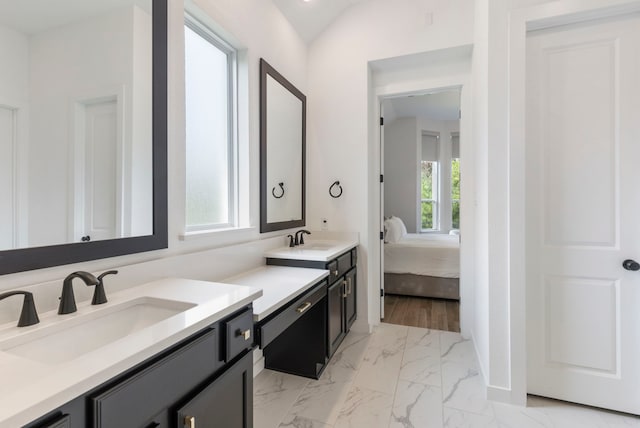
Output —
(380, 367)
(454, 418)
(463, 388)
(618, 420)
(453, 347)
(321, 401)
(273, 395)
(416, 405)
(365, 408)
(566, 415)
(509, 416)
(416, 368)
(300, 422)
(345, 362)
(425, 340)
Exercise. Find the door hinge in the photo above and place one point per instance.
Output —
(381, 178)
(381, 292)
(381, 121)
(381, 236)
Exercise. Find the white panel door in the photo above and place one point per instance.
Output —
(7, 178)
(583, 213)
(101, 171)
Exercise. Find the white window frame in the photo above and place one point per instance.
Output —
(435, 200)
(231, 52)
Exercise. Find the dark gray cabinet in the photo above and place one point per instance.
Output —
(341, 293)
(208, 376)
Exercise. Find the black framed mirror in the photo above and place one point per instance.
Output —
(282, 152)
(132, 101)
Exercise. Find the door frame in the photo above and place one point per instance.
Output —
(460, 82)
(521, 22)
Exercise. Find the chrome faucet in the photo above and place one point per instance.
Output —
(301, 233)
(68, 300)
(28, 315)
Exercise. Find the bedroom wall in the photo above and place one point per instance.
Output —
(401, 151)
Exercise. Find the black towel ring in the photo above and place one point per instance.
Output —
(273, 191)
(335, 183)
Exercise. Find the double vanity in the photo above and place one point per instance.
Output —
(179, 352)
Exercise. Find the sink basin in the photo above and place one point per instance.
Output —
(316, 246)
(73, 337)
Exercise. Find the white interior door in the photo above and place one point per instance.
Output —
(101, 199)
(583, 213)
(382, 210)
(7, 178)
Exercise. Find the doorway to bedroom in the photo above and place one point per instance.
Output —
(420, 157)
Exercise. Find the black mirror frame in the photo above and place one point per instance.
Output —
(266, 69)
(25, 259)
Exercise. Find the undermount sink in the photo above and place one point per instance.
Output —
(316, 246)
(74, 337)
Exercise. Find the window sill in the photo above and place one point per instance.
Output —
(225, 233)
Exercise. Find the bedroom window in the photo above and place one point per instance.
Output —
(428, 193)
(429, 181)
(455, 180)
(211, 140)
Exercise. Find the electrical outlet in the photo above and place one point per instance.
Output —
(324, 224)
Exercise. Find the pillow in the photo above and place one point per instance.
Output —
(394, 231)
(403, 228)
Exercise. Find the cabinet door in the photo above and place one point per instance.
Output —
(336, 322)
(350, 300)
(227, 402)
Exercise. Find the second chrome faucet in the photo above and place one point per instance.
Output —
(68, 300)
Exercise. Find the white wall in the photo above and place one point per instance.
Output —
(338, 118)
(401, 179)
(258, 27)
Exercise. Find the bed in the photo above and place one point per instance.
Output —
(426, 265)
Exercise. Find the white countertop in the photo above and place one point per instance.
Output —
(29, 389)
(328, 249)
(279, 285)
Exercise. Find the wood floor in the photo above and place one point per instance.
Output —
(437, 314)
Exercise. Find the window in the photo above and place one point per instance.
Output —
(428, 194)
(211, 148)
(455, 180)
(429, 183)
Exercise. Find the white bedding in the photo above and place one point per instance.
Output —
(424, 254)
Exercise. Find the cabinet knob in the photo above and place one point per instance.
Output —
(246, 334)
(190, 422)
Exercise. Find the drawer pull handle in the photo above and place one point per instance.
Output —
(335, 272)
(246, 334)
(303, 307)
(190, 422)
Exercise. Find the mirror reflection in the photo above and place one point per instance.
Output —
(283, 109)
(75, 121)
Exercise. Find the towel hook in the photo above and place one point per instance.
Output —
(273, 191)
(335, 183)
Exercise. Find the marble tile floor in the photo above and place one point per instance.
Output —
(407, 377)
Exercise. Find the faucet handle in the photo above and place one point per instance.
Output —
(28, 315)
(99, 296)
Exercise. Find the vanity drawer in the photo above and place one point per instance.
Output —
(344, 263)
(135, 400)
(273, 327)
(238, 335)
